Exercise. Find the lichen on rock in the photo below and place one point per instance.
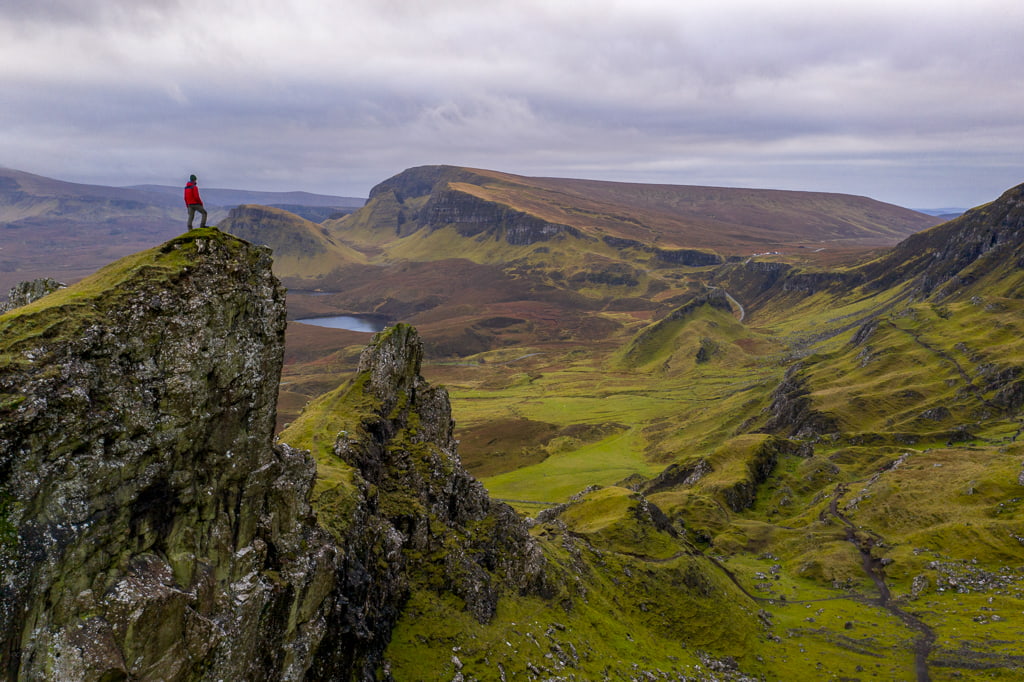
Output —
(412, 488)
(26, 292)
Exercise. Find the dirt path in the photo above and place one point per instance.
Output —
(864, 541)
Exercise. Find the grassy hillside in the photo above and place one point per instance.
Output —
(480, 261)
(839, 444)
(303, 251)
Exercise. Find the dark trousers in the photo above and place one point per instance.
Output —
(192, 210)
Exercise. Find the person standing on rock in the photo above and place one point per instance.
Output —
(194, 202)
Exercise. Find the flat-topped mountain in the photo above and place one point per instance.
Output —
(727, 219)
(478, 259)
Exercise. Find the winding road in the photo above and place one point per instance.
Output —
(733, 301)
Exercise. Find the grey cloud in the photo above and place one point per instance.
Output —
(88, 12)
(728, 92)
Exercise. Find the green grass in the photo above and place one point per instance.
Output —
(334, 415)
(66, 310)
(607, 620)
(564, 474)
(963, 502)
(699, 387)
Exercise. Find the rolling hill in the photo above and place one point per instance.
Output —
(304, 249)
(840, 441)
(480, 260)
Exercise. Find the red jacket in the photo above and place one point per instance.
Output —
(192, 194)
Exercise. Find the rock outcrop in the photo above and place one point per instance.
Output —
(26, 292)
(791, 413)
(947, 258)
(473, 217)
(151, 530)
(415, 519)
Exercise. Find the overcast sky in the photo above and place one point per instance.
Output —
(913, 102)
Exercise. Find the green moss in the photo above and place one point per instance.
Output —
(9, 401)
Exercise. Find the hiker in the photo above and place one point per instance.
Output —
(194, 202)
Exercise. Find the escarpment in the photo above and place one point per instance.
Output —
(946, 259)
(150, 528)
(472, 217)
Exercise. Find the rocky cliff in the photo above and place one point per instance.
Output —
(25, 292)
(150, 528)
(428, 197)
(406, 514)
(472, 217)
(951, 256)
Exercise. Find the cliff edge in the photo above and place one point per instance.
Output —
(150, 528)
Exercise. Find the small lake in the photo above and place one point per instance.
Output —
(353, 324)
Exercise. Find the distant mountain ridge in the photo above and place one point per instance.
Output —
(479, 258)
(237, 197)
(682, 215)
(65, 230)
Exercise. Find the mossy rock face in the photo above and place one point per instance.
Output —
(150, 529)
(411, 522)
(26, 292)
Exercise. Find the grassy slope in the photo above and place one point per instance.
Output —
(611, 619)
(690, 216)
(302, 249)
(923, 465)
(60, 306)
(610, 557)
(921, 357)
